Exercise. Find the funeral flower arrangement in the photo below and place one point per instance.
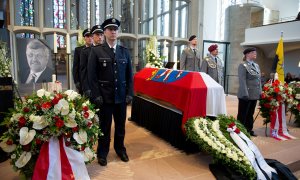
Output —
(212, 137)
(295, 100)
(153, 60)
(5, 61)
(44, 115)
(273, 94)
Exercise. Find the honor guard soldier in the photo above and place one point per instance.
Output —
(190, 57)
(110, 77)
(98, 37)
(213, 65)
(249, 90)
(76, 64)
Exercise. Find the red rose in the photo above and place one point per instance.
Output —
(26, 109)
(237, 130)
(89, 124)
(75, 129)
(86, 115)
(27, 147)
(231, 125)
(38, 141)
(277, 89)
(68, 143)
(22, 121)
(266, 88)
(85, 108)
(267, 105)
(38, 107)
(279, 98)
(59, 123)
(56, 118)
(46, 105)
(9, 142)
(263, 96)
(276, 82)
(298, 106)
(82, 148)
(55, 101)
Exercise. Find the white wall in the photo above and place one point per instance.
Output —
(270, 34)
(286, 8)
(291, 62)
(211, 20)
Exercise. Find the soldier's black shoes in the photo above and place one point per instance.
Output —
(123, 156)
(102, 161)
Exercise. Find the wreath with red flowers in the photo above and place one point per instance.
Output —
(273, 94)
(44, 115)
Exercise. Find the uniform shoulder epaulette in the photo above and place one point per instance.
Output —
(206, 58)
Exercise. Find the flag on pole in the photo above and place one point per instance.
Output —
(278, 64)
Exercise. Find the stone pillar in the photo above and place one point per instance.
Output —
(237, 19)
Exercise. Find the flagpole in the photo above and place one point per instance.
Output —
(281, 34)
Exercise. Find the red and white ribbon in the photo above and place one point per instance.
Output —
(252, 153)
(56, 161)
(278, 129)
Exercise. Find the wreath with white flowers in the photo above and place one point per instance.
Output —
(211, 137)
(44, 115)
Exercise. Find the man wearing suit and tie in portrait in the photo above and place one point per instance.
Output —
(213, 65)
(249, 88)
(190, 57)
(38, 56)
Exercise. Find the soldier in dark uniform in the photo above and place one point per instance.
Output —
(110, 77)
(249, 90)
(76, 64)
(98, 37)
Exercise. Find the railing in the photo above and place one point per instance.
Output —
(273, 21)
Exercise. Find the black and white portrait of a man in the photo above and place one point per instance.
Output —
(37, 66)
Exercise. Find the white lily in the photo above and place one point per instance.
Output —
(39, 122)
(7, 148)
(41, 92)
(23, 159)
(62, 107)
(26, 136)
(80, 137)
(87, 154)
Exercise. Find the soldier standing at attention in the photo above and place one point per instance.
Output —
(249, 90)
(76, 64)
(98, 38)
(190, 57)
(212, 64)
(110, 78)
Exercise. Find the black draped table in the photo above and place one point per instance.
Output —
(165, 99)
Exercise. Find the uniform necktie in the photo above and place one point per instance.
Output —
(194, 51)
(113, 50)
(216, 60)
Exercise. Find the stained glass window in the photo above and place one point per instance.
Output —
(59, 20)
(27, 16)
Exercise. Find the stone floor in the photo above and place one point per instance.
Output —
(153, 158)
